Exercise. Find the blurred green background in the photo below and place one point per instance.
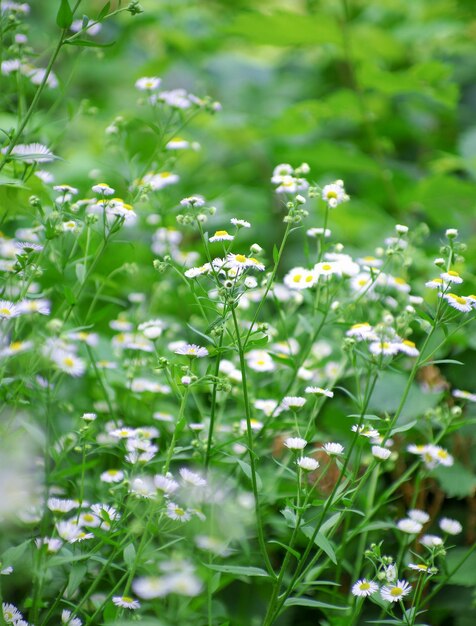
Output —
(380, 94)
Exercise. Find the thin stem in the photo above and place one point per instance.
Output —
(249, 434)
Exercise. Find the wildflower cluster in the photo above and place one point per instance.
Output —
(211, 411)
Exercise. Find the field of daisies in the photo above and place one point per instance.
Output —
(237, 273)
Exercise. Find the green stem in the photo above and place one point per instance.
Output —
(249, 434)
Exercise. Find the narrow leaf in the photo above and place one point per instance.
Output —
(313, 603)
(88, 44)
(238, 570)
(321, 542)
(104, 11)
(64, 18)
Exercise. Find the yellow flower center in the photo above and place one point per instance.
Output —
(164, 174)
(309, 278)
(221, 233)
(364, 586)
(408, 343)
(396, 591)
(16, 345)
(68, 361)
(297, 278)
(331, 194)
(5, 311)
(240, 258)
(452, 273)
(400, 281)
(326, 267)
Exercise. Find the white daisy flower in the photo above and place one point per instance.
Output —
(365, 431)
(57, 505)
(387, 348)
(450, 526)
(401, 229)
(193, 272)
(125, 602)
(451, 277)
(240, 223)
(293, 402)
(408, 347)
(419, 567)
(362, 331)
(69, 363)
(307, 463)
(318, 232)
(221, 235)
(327, 268)
(192, 350)
(435, 283)
(8, 310)
(334, 194)
(394, 593)
(176, 98)
(177, 143)
(260, 361)
(192, 478)
(68, 619)
(104, 189)
(431, 541)
(319, 391)
(89, 519)
(460, 303)
(10, 613)
(464, 395)
(165, 484)
(418, 515)
(300, 278)
(112, 476)
(295, 443)
(178, 513)
(280, 172)
(363, 588)
(31, 153)
(436, 455)
(409, 526)
(16, 347)
(148, 83)
(381, 453)
(333, 449)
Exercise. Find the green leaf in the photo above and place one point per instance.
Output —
(465, 576)
(287, 548)
(456, 481)
(129, 555)
(321, 541)
(13, 182)
(247, 472)
(104, 11)
(85, 43)
(64, 18)
(313, 603)
(403, 428)
(13, 555)
(257, 343)
(238, 570)
(275, 254)
(76, 577)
